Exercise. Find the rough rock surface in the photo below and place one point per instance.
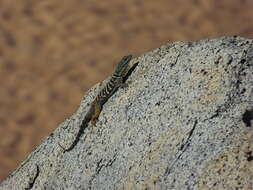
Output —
(185, 121)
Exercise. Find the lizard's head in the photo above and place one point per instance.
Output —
(123, 65)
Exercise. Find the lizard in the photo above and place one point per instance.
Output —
(110, 88)
(117, 80)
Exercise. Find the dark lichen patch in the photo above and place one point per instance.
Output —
(243, 61)
(247, 117)
(249, 156)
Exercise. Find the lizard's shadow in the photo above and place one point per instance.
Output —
(130, 71)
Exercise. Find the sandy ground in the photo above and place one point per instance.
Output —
(53, 51)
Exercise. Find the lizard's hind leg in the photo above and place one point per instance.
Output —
(96, 113)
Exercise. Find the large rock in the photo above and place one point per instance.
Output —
(183, 122)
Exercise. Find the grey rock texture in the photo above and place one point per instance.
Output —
(185, 121)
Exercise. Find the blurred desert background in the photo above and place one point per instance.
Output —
(53, 51)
